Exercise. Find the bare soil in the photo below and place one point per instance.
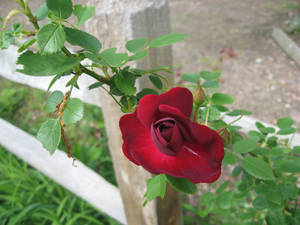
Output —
(261, 77)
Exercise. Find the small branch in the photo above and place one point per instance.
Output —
(31, 18)
(108, 92)
(94, 75)
(195, 114)
(207, 113)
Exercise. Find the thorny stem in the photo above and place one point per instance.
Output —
(61, 108)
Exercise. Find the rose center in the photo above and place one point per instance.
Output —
(165, 128)
(166, 136)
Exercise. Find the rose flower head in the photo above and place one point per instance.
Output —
(160, 137)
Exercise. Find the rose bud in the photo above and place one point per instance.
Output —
(199, 95)
(160, 137)
(225, 135)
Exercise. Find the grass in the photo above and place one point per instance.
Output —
(29, 197)
(26, 195)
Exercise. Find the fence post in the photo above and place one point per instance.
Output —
(115, 22)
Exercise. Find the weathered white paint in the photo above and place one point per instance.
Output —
(287, 44)
(80, 180)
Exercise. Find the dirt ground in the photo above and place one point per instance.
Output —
(261, 77)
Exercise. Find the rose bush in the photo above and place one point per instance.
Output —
(160, 137)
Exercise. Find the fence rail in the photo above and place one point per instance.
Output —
(80, 180)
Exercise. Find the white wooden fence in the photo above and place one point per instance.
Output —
(82, 181)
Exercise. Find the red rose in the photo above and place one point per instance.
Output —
(160, 137)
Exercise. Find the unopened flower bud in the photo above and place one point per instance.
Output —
(225, 135)
(199, 95)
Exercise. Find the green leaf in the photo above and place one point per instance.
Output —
(113, 59)
(237, 171)
(146, 91)
(260, 202)
(54, 99)
(45, 65)
(211, 84)
(285, 122)
(191, 77)
(50, 38)
(288, 191)
(257, 168)
(138, 55)
(83, 39)
(182, 184)
(135, 44)
(244, 146)
(95, 85)
(213, 113)
(49, 135)
(132, 102)
(217, 124)
(267, 130)
(286, 131)
(238, 112)
(165, 40)
(73, 111)
(255, 135)
(222, 99)
(222, 187)
(125, 83)
(276, 151)
(275, 217)
(229, 158)
(224, 200)
(156, 186)
(259, 126)
(83, 13)
(206, 204)
(60, 8)
(221, 108)
(206, 75)
(289, 166)
(42, 12)
(155, 80)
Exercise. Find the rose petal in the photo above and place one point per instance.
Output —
(180, 98)
(148, 109)
(127, 125)
(204, 136)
